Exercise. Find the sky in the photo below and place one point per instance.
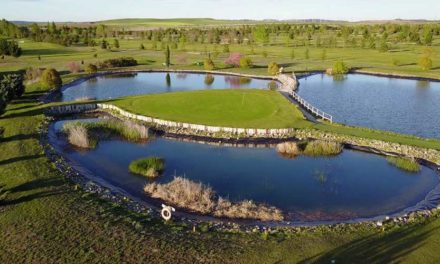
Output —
(95, 10)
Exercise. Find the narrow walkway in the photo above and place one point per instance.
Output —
(289, 86)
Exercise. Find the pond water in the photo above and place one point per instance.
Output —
(351, 185)
(398, 105)
(119, 85)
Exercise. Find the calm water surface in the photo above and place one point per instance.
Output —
(399, 105)
(119, 85)
(351, 185)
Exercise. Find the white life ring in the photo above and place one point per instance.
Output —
(167, 212)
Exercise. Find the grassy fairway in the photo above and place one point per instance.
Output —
(229, 108)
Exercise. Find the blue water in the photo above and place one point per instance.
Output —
(119, 85)
(351, 185)
(398, 105)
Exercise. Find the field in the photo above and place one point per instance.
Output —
(54, 55)
(229, 108)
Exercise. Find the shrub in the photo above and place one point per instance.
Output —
(209, 79)
(74, 67)
(33, 74)
(142, 47)
(322, 148)
(405, 164)
(273, 68)
(208, 64)
(51, 78)
(340, 68)
(425, 63)
(150, 167)
(91, 69)
(233, 59)
(225, 48)
(272, 85)
(119, 62)
(245, 63)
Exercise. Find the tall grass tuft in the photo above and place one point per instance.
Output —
(86, 135)
(288, 149)
(322, 148)
(247, 210)
(150, 167)
(78, 135)
(405, 164)
(184, 193)
(200, 198)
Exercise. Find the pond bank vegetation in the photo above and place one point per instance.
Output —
(150, 167)
(405, 164)
(313, 148)
(87, 134)
(202, 199)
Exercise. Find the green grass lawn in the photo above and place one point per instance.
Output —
(229, 108)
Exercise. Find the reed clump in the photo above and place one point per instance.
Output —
(288, 149)
(150, 167)
(184, 193)
(405, 164)
(201, 198)
(322, 148)
(78, 135)
(86, 135)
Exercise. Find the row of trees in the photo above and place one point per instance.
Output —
(9, 48)
(11, 87)
(327, 35)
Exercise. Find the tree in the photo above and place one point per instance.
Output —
(307, 54)
(168, 56)
(208, 64)
(116, 44)
(292, 54)
(52, 79)
(9, 48)
(261, 34)
(104, 44)
(340, 68)
(91, 69)
(233, 59)
(273, 68)
(245, 62)
(324, 55)
(427, 35)
(11, 86)
(425, 63)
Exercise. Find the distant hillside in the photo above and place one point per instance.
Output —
(142, 23)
